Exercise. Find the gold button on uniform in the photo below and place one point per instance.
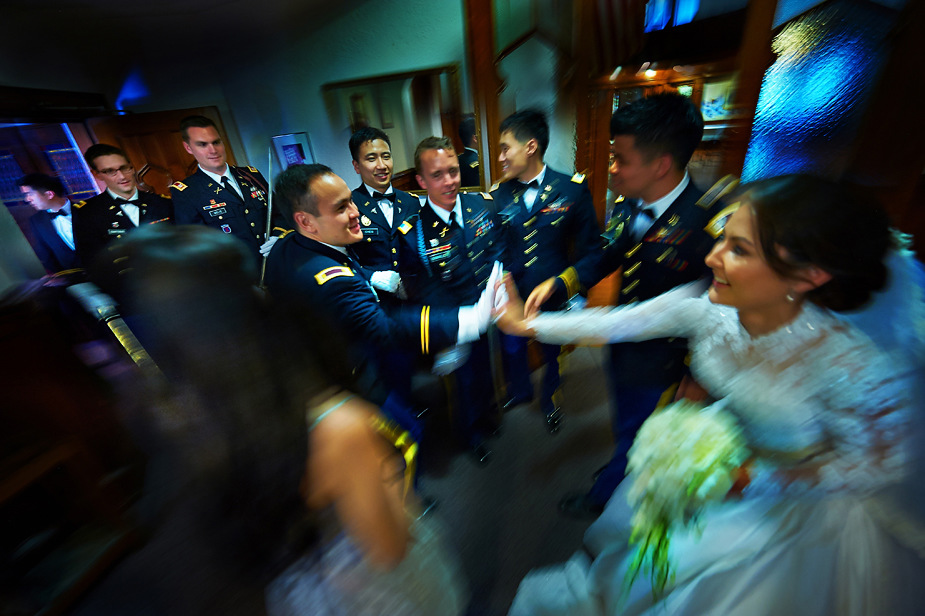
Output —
(394, 251)
(252, 224)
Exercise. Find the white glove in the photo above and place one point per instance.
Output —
(448, 360)
(267, 245)
(474, 320)
(387, 281)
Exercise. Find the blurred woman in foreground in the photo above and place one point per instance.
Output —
(254, 374)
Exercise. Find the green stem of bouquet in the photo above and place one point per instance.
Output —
(651, 553)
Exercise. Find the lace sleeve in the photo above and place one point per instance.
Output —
(866, 414)
(670, 314)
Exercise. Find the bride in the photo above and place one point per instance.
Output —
(817, 528)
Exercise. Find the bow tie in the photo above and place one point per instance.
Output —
(531, 184)
(126, 202)
(60, 212)
(378, 196)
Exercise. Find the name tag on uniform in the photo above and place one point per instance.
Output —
(115, 231)
(370, 231)
(217, 212)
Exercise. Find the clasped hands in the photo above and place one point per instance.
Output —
(513, 316)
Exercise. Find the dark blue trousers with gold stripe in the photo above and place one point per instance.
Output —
(471, 395)
(517, 371)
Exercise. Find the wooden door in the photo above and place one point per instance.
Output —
(154, 145)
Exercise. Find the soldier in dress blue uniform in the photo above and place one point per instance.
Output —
(382, 207)
(549, 223)
(659, 234)
(469, 158)
(316, 265)
(119, 209)
(446, 257)
(231, 199)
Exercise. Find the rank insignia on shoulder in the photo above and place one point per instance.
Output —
(404, 227)
(474, 164)
(252, 169)
(179, 186)
(332, 272)
(494, 187)
(166, 196)
(487, 196)
(80, 204)
(578, 178)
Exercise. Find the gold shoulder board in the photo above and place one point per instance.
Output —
(474, 164)
(404, 227)
(578, 178)
(166, 196)
(332, 272)
(80, 204)
(494, 187)
(252, 169)
(718, 223)
(487, 197)
(179, 186)
(723, 187)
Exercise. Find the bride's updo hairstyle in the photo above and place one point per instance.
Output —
(803, 221)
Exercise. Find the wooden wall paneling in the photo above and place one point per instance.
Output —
(484, 83)
(755, 57)
(154, 139)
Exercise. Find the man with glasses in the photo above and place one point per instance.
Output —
(231, 199)
(119, 209)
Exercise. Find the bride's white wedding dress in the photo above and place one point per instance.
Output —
(828, 417)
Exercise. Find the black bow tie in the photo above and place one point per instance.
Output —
(531, 184)
(125, 202)
(378, 196)
(60, 212)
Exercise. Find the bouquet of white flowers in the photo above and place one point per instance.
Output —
(682, 460)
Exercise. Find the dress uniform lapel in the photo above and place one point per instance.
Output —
(370, 209)
(549, 192)
(466, 223)
(404, 208)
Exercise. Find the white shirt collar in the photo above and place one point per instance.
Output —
(218, 177)
(115, 196)
(341, 249)
(659, 206)
(371, 190)
(539, 176)
(443, 214)
(66, 208)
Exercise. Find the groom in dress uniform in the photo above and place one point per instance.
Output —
(52, 224)
(660, 232)
(548, 222)
(119, 209)
(231, 199)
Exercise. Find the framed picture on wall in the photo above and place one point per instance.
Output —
(293, 149)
